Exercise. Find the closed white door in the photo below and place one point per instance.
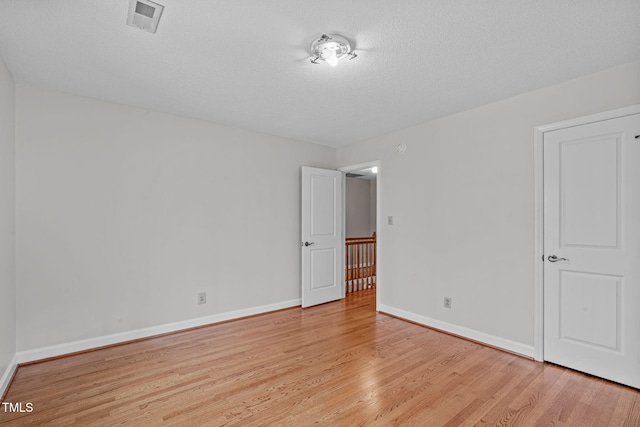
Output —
(592, 248)
(322, 241)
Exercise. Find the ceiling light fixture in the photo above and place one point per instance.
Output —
(331, 49)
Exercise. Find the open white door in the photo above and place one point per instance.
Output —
(592, 248)
(322, 240)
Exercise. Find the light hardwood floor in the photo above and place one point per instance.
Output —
(338, 364)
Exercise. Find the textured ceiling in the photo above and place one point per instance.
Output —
(245, 63)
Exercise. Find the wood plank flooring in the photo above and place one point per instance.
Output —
(338, 364)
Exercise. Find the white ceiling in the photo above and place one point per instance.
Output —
(245, 63)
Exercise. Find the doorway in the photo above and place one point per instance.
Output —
(362, 227)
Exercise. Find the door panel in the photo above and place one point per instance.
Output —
(323, 209)
(589, 195)
(323, 268)
(322, 240)
(592, 226)
(590, 309)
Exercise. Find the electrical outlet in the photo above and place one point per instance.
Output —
(389, 220)
(202, 298)
(447, 302)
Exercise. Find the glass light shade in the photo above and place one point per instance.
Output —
(329, 55)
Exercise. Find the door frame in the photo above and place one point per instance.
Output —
(353, 168)
(538, 140)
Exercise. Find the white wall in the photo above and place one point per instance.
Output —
(124, 215)
(462, 200)
(7, 227)
(358, 206)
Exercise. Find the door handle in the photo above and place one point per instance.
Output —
(309, 243)
(553, 258)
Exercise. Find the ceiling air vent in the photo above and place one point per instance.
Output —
(144, 14)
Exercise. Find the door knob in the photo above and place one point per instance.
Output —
(309, 243)
(554, 258)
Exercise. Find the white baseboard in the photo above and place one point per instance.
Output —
(91, 343)
(472, 334)
(8, 374)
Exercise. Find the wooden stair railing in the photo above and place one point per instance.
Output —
(360, 263)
